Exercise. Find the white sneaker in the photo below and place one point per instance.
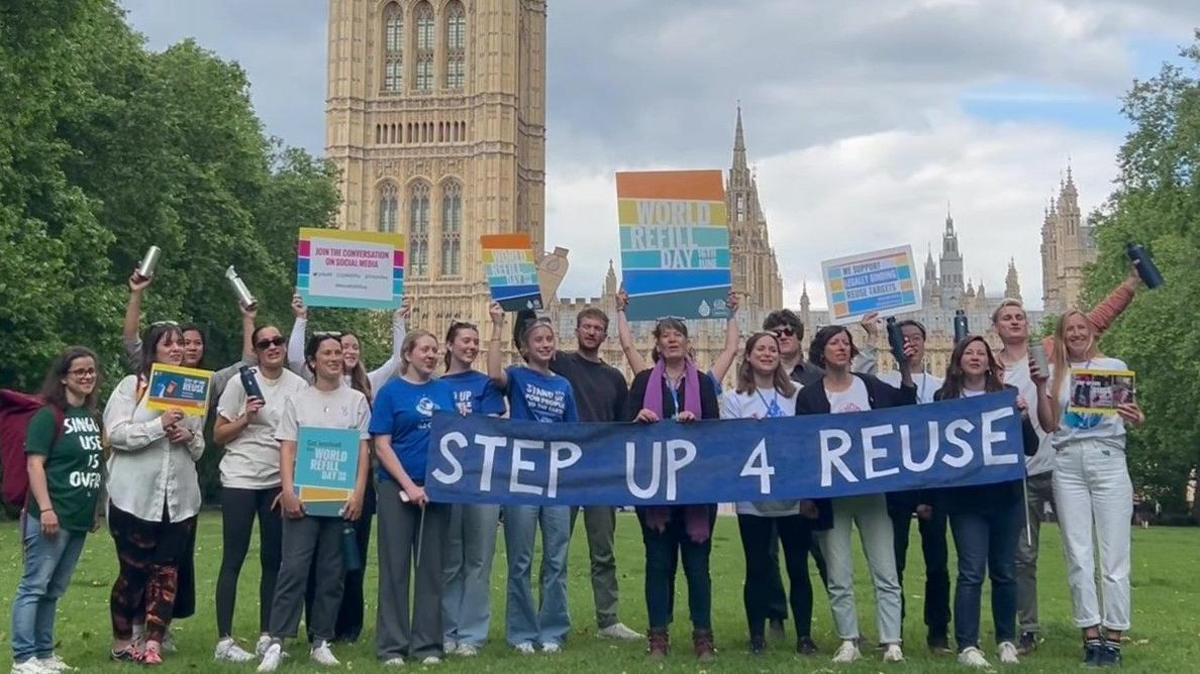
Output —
(228, 650)
(525, 648)
(620, 631)
(466, 650)
(168, 644)
(321, 655)
(394, 662)
(892, 653)
(55, 664)
(271, 658)
(431, 660)
(1008, 653)
(264, 642)
(449, 645)
(30, 666)
(551, 648)
(973, 657)
(847, 652)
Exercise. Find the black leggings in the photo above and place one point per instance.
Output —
(795, 533)
(238, 510)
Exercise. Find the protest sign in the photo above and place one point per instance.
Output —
(479, 459)
(355, 270)
(882, 281)
(326, 468)
(182, 388)
(674, 244)
(511, 271)
(1101, 391)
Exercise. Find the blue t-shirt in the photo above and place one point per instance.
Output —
(405, 411)
(474, 393)
(534, 396)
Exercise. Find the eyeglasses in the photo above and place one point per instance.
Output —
(783, 331)
(82, 372)
(264, 344)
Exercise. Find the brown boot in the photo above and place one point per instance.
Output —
(660, 644)
(702, 641)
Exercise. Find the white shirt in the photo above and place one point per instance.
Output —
(926, 384)
(1017, 374)
(342, 407)
(1107, 429)
(761, 404)
(853, 399)
(251, 459)
(145, 469)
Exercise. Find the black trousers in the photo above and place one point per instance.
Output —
(760, 536)
(350, 616)
(936, 555)
(239, 508)
(777, 602)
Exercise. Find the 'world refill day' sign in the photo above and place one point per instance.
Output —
(674, 243)
(326, 468)
(353, 270)
(511, 271)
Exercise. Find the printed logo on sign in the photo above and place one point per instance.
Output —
(704, 310)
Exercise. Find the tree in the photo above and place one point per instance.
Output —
(1157, 203)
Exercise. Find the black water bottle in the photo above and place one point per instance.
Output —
(351, 560)
(896, 340)
(1144, 264)
(249, 383)
(960, 325)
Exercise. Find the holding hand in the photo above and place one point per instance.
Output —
(1131, 413)
(405, 310)
(253, 405)
(732, 302)
(497, 313)
(178, 435)
(647, 416)
(416, 495)
(293, 509)
(137, 283)
(353, 509)
(622, 300)
(170, 418)
(1035, 373)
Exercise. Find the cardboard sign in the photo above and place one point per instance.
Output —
(355, 270)
(674, 230)
(1101, 391)
(326, 468)
(181, 388)
(882, 281)
(511, 271)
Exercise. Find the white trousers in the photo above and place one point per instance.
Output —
(875, 530)
(1094, 499)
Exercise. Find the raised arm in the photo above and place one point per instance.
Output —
(625, 335)
(733, 336)
(383, 373)
(1105, 314)
(495, 359)
(133, 319)
(295, 348)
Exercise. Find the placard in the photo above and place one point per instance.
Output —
(1101, 391)
(355, 270)
(882, 281)
(182, 388)
(511, 271)
(326, 468)
(674, 230)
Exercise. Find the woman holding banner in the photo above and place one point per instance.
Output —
(1092, 491)
(675, 389)
(246, 425)
(764, 390)
(985, 520)
(535, 393)
(840, 391)
(154, 497)
(410, 527)
(313, 544)
(471, 537)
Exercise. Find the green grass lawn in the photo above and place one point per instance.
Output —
(1165, 637)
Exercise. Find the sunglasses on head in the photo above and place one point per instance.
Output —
(159, 324)
(328, 333)
(783, 331)
(264, 344)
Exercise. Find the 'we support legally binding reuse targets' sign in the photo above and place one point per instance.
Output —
(881, 281)
(353, 270)
(674, 230)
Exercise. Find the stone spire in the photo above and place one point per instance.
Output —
(739, 144)
(1012, 287)
(610, 280)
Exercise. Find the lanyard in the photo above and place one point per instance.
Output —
(773, 409)
(674, 393)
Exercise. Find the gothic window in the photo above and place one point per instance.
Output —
(393, 48)
(451, 228)
(418, 229)
(741, 207)
(424, 20)
(389, 206)
(456, 45)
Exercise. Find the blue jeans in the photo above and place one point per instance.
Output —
(551, 623)
(470, 547)
(49, 565)
(986, 541)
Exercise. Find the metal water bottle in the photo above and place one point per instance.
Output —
(896, 340)
(239, 288)
(351, 560)
(1145, 265)
(249, 383)
(149, 261)
(960, 326)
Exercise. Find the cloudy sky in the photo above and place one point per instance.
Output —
(863, 118)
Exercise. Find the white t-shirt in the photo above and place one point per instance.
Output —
(761, 404)
(342, 407)
(926, 384)
(251, 459)
(1017, 374)
(1108, 429)
(853, 399)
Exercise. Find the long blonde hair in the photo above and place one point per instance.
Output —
(1060, 358)
(745, 375)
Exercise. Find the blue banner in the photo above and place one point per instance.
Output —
(479, 459)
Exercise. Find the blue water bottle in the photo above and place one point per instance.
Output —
(896, 340)
(960, 326)
(351, 560)
(1144, 265)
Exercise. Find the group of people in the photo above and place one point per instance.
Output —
(138, 465)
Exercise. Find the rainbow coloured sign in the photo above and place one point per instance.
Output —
(511, 271)
(674, 243)
(355, 270)
(882, 281)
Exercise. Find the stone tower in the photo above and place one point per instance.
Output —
(1012, 287)
(436, 118)
(1067, 249)
(950, 263)
(755, 269)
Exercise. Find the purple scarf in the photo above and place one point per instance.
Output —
(695, 516)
